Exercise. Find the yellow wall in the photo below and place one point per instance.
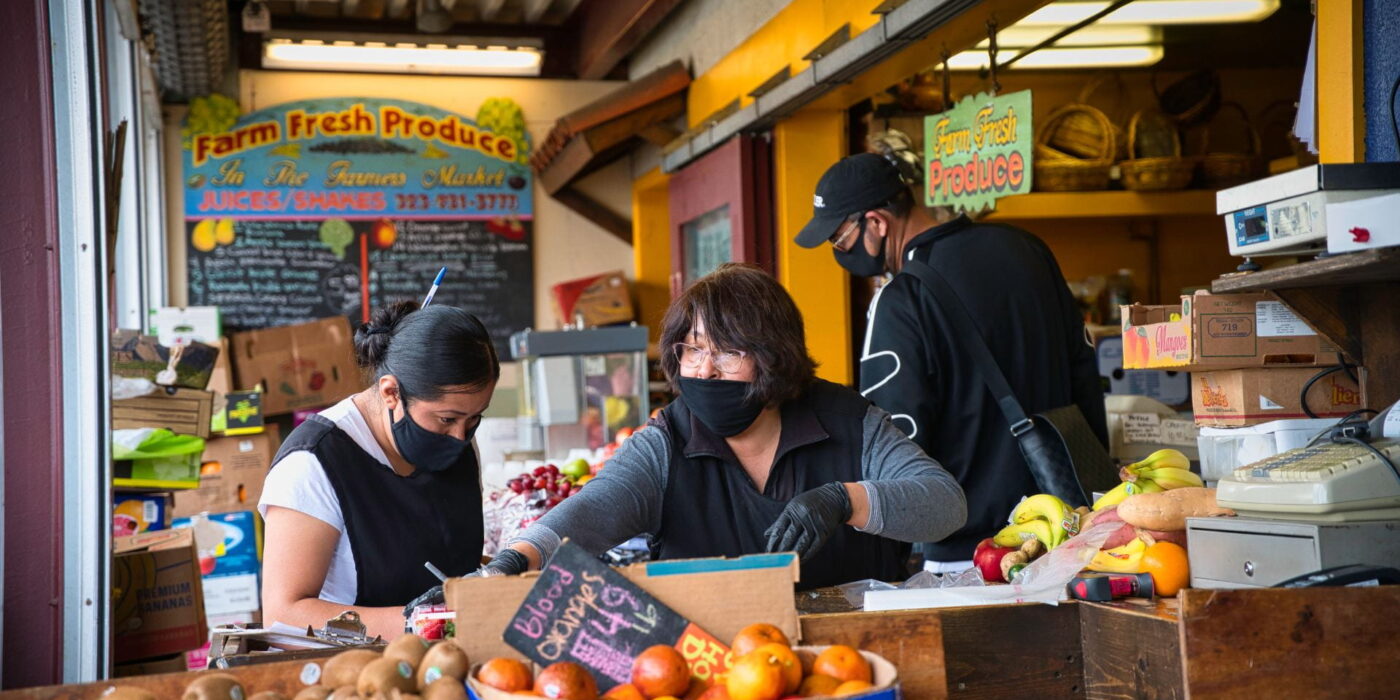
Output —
(783, 41)
(804, 146)
(651, 248)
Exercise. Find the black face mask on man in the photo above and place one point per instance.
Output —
(858, 261)
(721, 404)
(425, 449)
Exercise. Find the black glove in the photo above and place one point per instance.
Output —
(507, 562)
(809, 519)
(434, 596)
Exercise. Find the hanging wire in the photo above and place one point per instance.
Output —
(992, 53)
(948, 81)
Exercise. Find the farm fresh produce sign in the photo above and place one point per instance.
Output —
(356, 158)
(979, 151)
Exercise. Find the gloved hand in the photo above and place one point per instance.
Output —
(809, 519)
(433, 596)
(507, 562)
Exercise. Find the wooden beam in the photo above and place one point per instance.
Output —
(490, 9)
(1341, 114)
(1129, 655)
(611, 30)
(600, 145)
(534, 10)
(660, 134)
(593, 210)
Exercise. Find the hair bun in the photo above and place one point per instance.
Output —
(372, 339)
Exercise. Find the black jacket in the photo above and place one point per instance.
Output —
(913, 366)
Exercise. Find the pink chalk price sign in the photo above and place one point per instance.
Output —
(581, 610)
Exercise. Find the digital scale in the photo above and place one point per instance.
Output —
(1287, 214)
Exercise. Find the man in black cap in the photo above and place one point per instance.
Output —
(914, 365)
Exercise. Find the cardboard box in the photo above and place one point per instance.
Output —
(181, 325)
(231, 474)
(132, 514)
(721, 596)
(1226, 398)
(180, 472)
(303, 366)
(174, 663)
(157, 599)
(183, 411)
(144, 357)
(602, 300)
(1221, 331)
(229, 559)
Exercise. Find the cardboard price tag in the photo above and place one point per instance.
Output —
(580, 610)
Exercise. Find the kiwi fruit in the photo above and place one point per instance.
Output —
(268, 695)
(410, 648)
(444, 659)
(314, 692)
(215, 686)
(128, 693)
(445, 689)
(344, 668)
(383, 675)
(344, 692)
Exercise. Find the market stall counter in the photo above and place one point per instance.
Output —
(1213, 643)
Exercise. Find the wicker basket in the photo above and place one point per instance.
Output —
(1171, 172)
(1060, 169)
(1221, 170)
(1191, 100)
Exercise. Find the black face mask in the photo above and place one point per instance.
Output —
(425, 449)
(720, 404)
(858, 261)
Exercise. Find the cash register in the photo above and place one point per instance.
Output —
(1331, 503)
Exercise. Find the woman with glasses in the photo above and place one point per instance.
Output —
(757, 455)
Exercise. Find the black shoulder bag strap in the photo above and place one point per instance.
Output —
(1054, 444)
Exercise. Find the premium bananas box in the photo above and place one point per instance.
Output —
(1221, 331)
(157, 598)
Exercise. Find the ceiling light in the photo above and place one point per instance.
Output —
(1019, 37)
(1097, 57)
(1061, 14)
(436, 58)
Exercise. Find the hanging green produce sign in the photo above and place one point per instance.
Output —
(979, 151)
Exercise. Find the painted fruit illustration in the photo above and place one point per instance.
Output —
(202, 238)
(223, 232)
(384, 234)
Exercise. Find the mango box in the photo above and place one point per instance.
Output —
(231, 474)
(157, 599)
(1221, 331)
(721, 596)
(884, 677)
(1241, 397)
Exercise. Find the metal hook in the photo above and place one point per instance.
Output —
(947, 81)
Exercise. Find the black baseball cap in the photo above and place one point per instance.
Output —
(855, 183)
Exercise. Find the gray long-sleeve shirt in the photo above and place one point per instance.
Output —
(912, 498)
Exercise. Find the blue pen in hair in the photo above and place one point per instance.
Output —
(433, 289)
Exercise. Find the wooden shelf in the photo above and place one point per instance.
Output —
(1107, 204)
(1362, 267)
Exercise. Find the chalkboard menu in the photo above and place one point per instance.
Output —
(582, 611)
(337, 206)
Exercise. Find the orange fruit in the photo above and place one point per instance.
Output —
(817, 684)
(717, 691)
(756, 677)
(1167, 563)
(755, 636)
(843, 663)
(661, 671)
(566, 680)
(852, 688)
(626, 691)
(792, 666)
(505, 674)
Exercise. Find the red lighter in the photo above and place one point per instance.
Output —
(1105, 587)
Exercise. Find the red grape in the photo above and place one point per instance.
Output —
(541, 482)
(553, 501)
(553, 470)
(541, 470)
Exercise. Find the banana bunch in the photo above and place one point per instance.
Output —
(1161, 471)
(1042, 517)
(1126, 559)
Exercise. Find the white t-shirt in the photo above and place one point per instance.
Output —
(299, 483)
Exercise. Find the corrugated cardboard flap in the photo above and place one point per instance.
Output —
(720, 595)
(153, 541)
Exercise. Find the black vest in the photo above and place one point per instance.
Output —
(711, 508)
(395, 523)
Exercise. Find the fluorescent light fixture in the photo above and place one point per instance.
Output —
(1062, 14)
(1019, 37)
(1096, 57)
(440, 57)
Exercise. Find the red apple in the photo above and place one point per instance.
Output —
(987, 559)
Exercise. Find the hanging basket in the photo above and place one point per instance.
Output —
(1221, 170)
(1113, 103)
(1191, 100)
(1074, 150)
(1158, 172)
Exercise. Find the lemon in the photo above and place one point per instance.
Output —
(203, 236)
(223, 232)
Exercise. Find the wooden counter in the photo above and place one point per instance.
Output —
(1253, 644)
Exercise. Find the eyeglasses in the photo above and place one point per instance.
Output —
(848, 232)
(726, 361)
